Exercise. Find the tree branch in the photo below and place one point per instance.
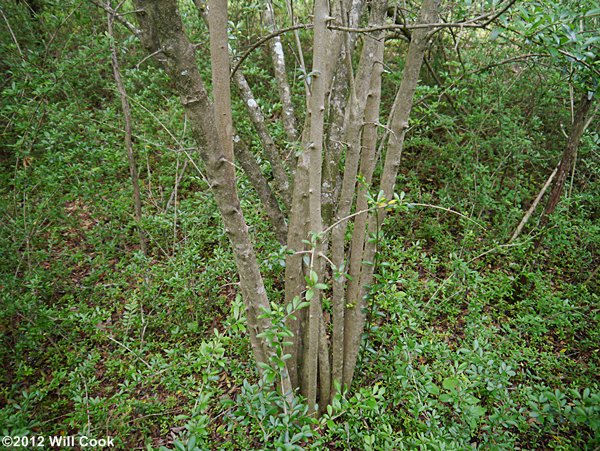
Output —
(265, 39)
(118, 17)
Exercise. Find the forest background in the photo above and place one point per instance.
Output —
(472, 316)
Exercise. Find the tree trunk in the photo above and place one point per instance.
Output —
(338, 99)
(285, 93)
(360, 93)
(315, 362)
(312, 155)
(267, 198)
(247, 159)
(568, 158)
(161, 25)
(355, 315)
(306, 211)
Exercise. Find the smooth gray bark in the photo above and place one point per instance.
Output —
(273, 154)
(279, 68)
(312, 155)
(254, 173)
(162, 27)
(353, 124)
(356, 315)
(338, 98)
(305, 214)
(248, 161)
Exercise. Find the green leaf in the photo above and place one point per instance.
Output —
(495, 33)
(591, 40)
(263, 365)
(471, 400)
(445, 397)
(593, 12)
(432, 389)
(477, 411)
(309, 294)
(450, 383)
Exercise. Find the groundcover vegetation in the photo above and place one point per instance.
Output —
(472, 339)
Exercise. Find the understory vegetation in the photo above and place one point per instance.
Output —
(472, 340)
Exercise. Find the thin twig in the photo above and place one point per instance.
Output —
(411, 204)
(533, 206)
(12, 35)
(129, 349)
(501, 246)
(147, 57)
(118, 17)
(469, 23)
(579, 60)
(265, 39)
(125, 106)
(346, 218)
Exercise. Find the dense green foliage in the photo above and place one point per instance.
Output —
(472, 342)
